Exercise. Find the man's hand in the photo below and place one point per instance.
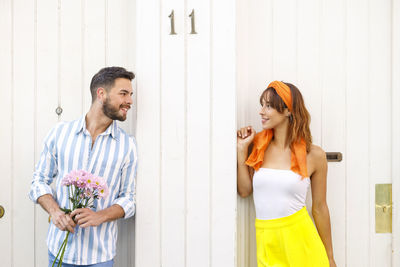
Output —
(60, 219)
(63, 221)
(86, 217)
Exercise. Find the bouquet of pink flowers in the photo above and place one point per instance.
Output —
(83, 189)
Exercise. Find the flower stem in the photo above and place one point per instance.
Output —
(62, 254)
(62, 250)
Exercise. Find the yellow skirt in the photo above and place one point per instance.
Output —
(290, 241)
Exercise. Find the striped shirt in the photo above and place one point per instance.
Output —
(67, 147)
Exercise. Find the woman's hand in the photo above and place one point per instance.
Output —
(244, 181)
(244, 137)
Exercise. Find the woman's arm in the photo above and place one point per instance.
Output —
(244, 173)
(320, 209)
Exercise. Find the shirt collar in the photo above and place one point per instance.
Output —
(112, 130)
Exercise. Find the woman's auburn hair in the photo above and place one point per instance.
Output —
(299, 123)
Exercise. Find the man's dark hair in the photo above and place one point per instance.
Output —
(106, 78)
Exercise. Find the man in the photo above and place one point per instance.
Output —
(96, 144)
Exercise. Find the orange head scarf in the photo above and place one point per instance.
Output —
(298, 159)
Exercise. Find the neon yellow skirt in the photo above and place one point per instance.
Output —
(290, 241)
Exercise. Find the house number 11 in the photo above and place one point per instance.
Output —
(192, 20)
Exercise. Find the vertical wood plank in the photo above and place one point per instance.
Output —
(94, 44)
(308, 62)
(6, 140)
(260, 71)
(23, 110)
(395, 131)
(130, 55)
(70, 59)
(120, 45)
(223, 133)
(380, 119)
(357, 135)
(243, 41)
(334, 116)
(284, 40)
(173, 137)
(46, 102)
(197, 110)
(117, 47)
(260, 59)
(308, 68)
(117, 33)
(148, 209)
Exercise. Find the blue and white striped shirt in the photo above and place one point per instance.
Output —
(67, 147)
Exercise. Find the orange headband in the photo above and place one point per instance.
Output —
(283, 91)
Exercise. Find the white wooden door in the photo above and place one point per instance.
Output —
(186, 180)
(343, 56)
(48, 54)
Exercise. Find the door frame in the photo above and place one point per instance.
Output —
(395, 133)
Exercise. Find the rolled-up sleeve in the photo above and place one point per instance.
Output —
(127, 194)
(46, 169)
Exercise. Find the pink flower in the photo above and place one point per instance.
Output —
(103, 191)
(67, 180)
(92, 182)
(75, 176)
(97, 182)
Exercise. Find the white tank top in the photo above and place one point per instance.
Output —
(278, 193)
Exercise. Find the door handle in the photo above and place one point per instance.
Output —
(2, 211)
(334, 156)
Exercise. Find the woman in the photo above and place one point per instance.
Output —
(281, 167)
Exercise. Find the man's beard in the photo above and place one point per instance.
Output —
(112, 112)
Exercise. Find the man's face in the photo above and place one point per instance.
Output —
(119, 100)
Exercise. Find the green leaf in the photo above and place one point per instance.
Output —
(66, 211)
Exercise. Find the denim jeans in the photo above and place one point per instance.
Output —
(102, 264)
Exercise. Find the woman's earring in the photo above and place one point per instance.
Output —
(290, 118)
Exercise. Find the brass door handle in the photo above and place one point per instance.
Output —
(2, 211)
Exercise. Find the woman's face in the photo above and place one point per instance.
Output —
(270, 117)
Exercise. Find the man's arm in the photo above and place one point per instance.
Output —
(46, 168)
(45, 171)
(127, 196)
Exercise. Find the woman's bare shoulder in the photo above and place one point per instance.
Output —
(316, 152)
(316, 158)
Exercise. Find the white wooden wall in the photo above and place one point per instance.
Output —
(344, 57)
(49, 51)
(186, 196)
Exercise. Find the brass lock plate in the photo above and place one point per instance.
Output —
(383, 208)
(1, 211)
